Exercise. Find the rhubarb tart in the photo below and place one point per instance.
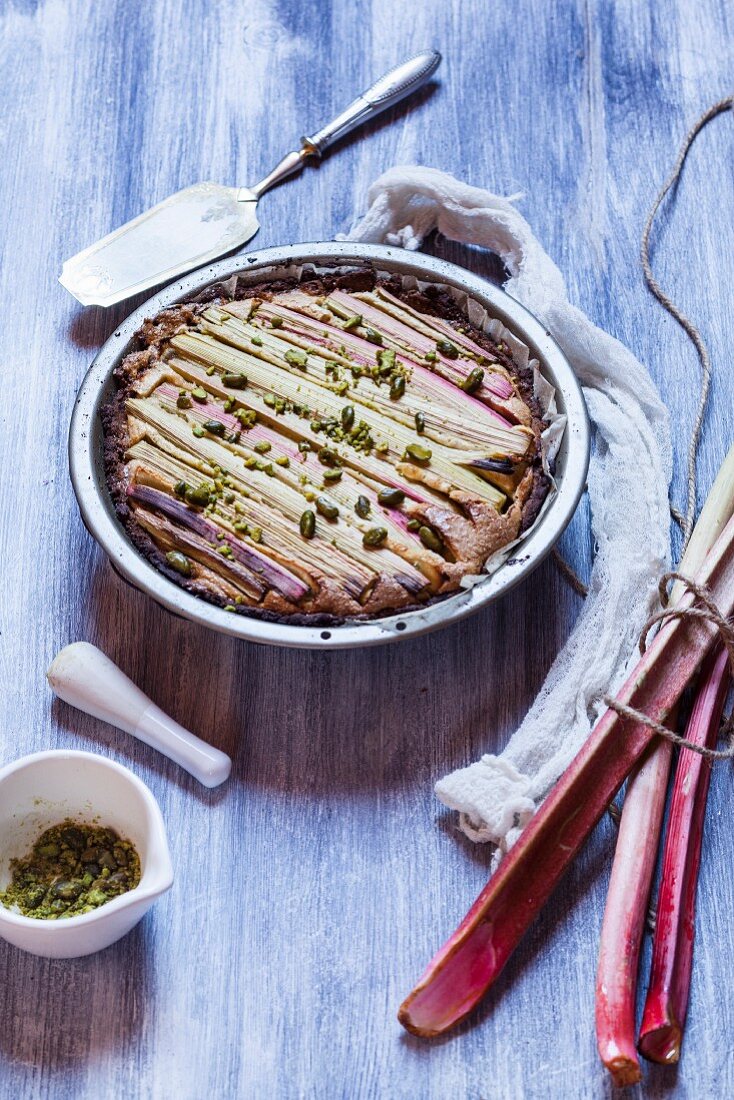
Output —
(322, 450)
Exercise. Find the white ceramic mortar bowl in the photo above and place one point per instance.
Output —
(39, 791)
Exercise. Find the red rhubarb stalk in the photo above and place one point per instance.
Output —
(672, 956)
(639, 840)
(625, 912)
(465, 968)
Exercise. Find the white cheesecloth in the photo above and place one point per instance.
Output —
(630, 518)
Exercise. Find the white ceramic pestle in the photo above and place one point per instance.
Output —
(85, 677)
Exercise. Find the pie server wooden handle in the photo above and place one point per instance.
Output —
(86, 678)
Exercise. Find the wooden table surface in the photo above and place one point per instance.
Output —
(312, 889)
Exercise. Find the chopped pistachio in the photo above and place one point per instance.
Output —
(246, 417)
(296, 357)
(262, 447)
(327, 457)
(386, 360)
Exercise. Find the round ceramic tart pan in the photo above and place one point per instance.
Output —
(86, 444)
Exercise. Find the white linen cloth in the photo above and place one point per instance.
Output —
(628, 483)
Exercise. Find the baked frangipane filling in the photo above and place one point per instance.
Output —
(323, 450)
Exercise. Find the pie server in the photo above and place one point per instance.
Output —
(207, 220)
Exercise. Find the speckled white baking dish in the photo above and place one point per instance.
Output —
(88, 478)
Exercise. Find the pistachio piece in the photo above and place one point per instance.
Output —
(214, 427)
(448, 349)
(374, 537)
(397, 387)
(391, 498)
(414, 452)
(473, 380)
(201, 495)
(362, 507)
(430, 539)
(234, 381)
(326, 507)
(307, 524)
(179, 562)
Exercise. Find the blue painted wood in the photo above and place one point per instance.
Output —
(312, 890)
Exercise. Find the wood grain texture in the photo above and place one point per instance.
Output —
(313, 888)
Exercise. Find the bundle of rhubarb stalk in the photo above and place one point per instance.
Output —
(685, 668)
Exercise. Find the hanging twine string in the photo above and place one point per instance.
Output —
(685, 520)
(708, 612)
(704, 607)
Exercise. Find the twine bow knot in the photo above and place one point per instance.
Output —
(704, 608)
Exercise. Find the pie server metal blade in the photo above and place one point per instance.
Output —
(207, 220)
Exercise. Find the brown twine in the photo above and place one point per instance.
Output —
(684, 520)
(708, 612)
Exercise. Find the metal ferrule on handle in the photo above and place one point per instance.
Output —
(386, 92)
